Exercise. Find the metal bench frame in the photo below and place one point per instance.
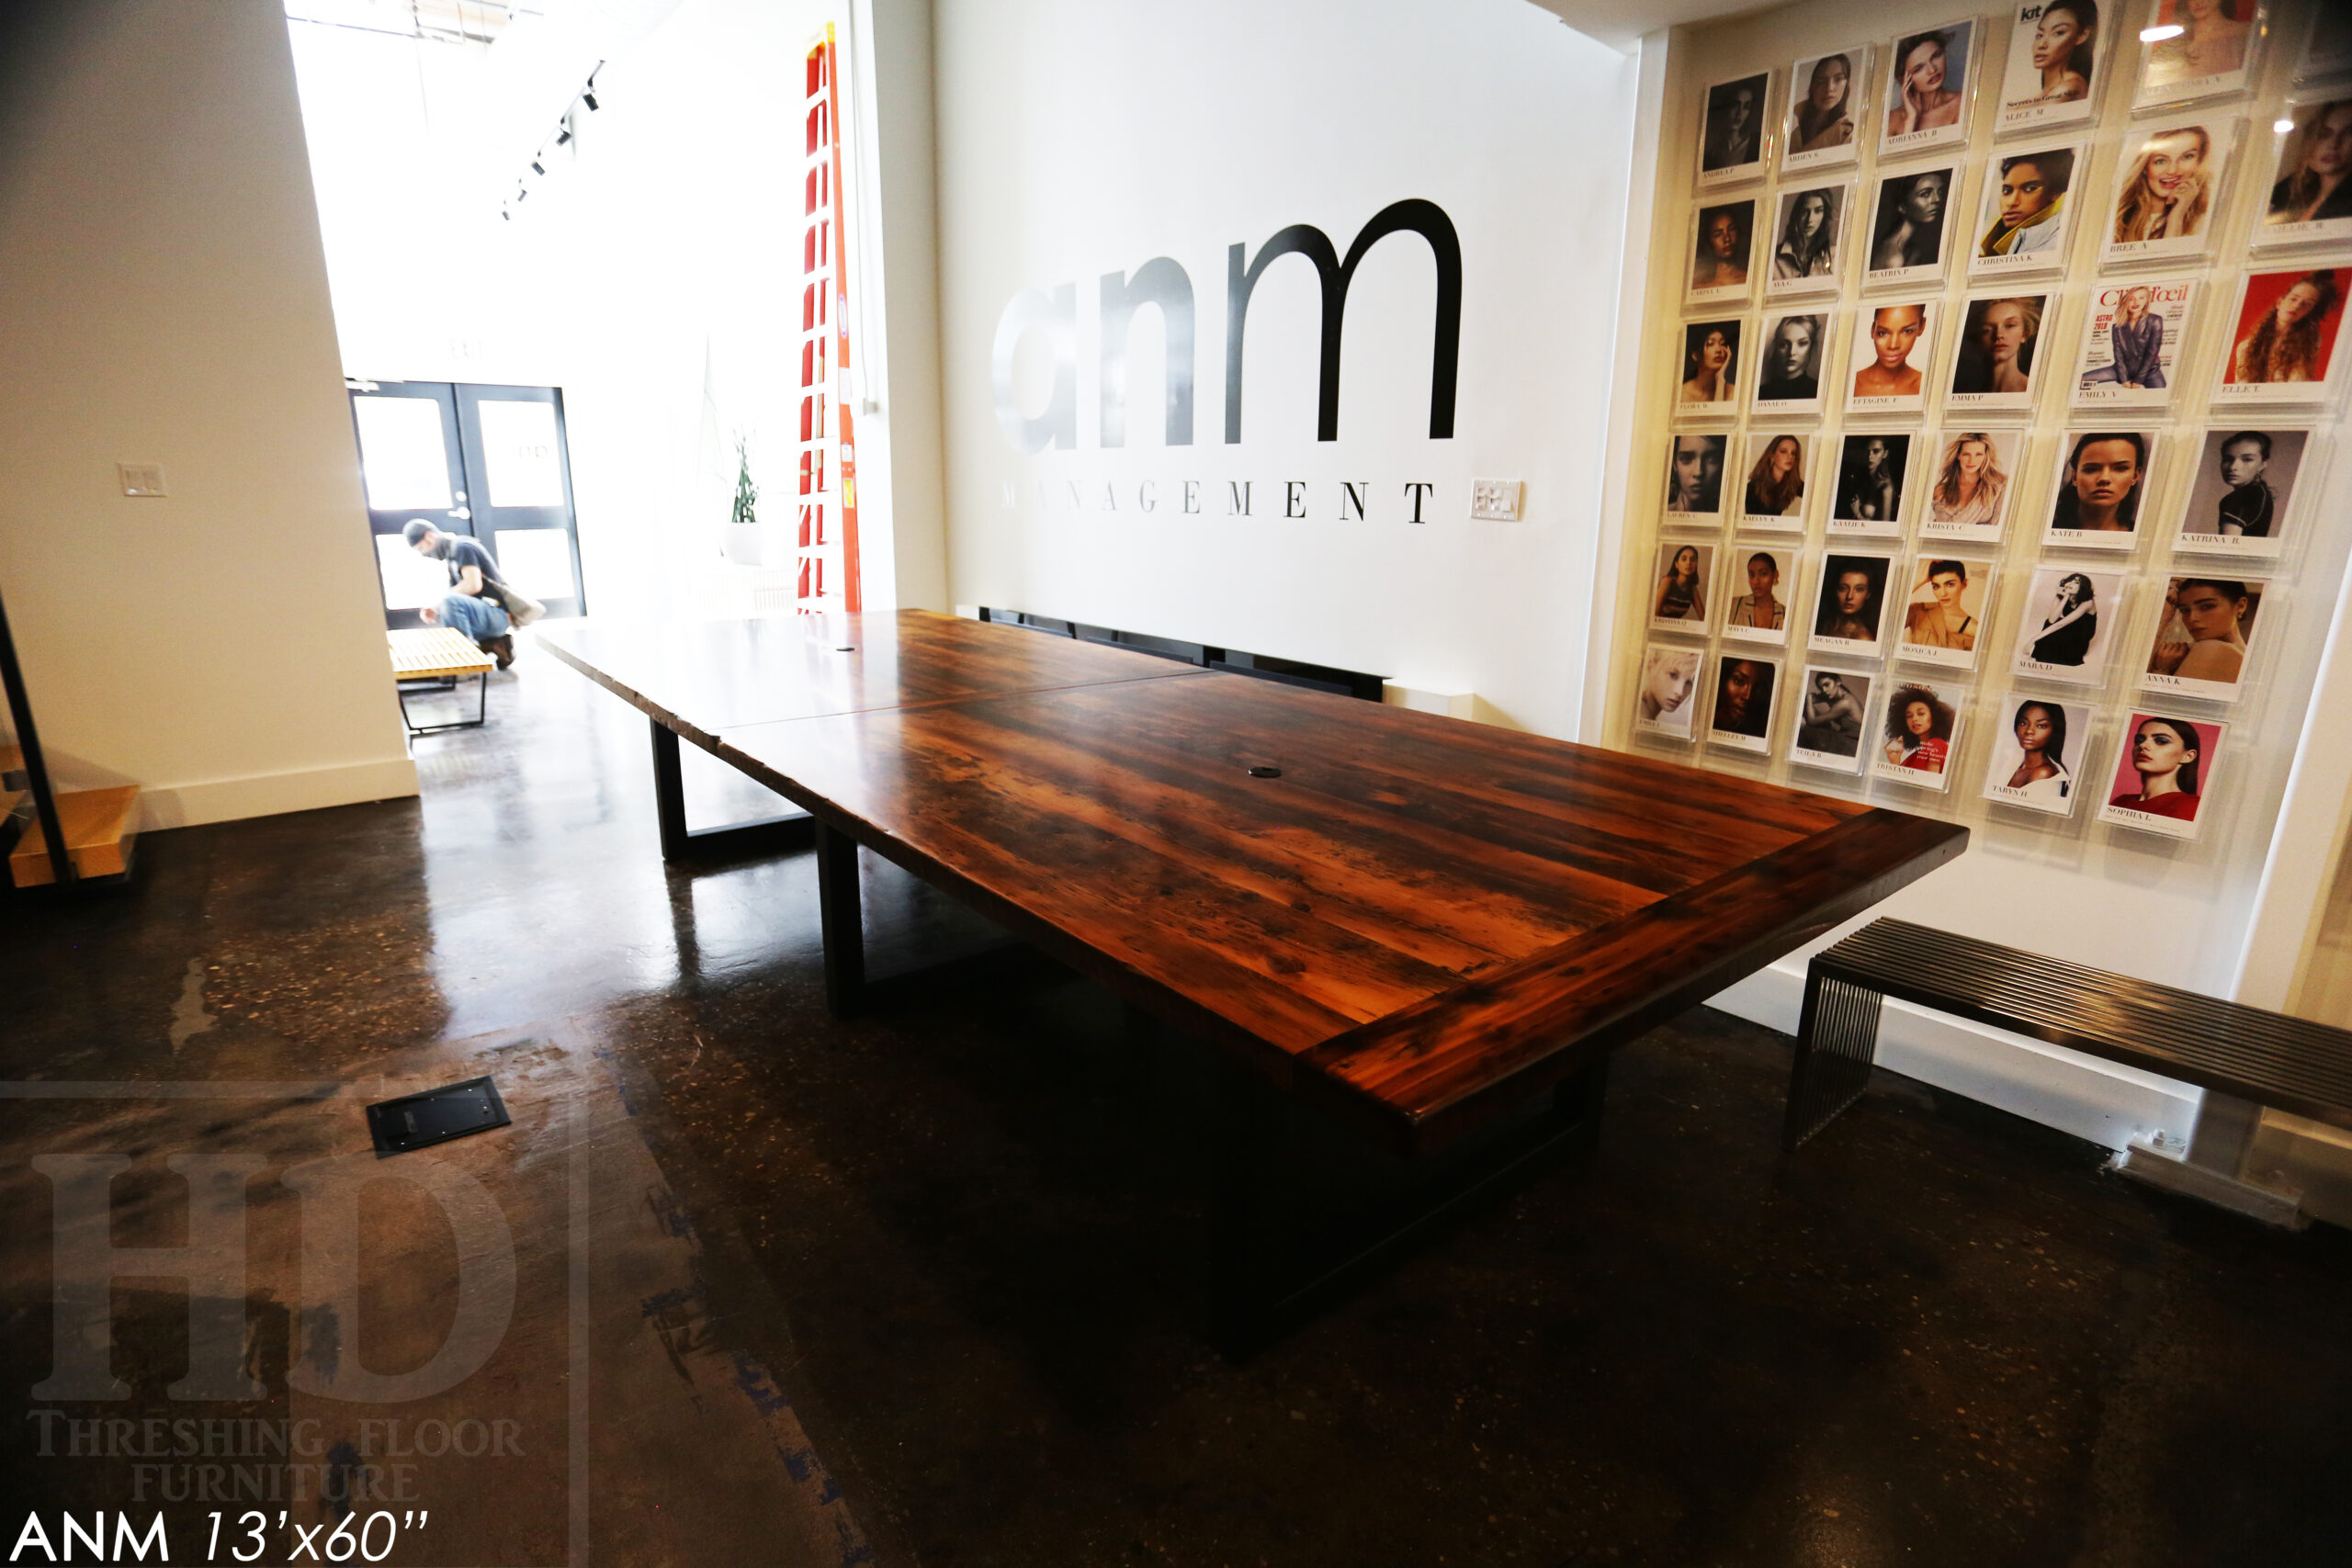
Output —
(2238, 1053)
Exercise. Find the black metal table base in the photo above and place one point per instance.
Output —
(737, 841)
(1304, 1213)
(443, 683)
(1281, 1253)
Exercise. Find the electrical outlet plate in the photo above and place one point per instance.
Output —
(1495, 501)
(141, 478)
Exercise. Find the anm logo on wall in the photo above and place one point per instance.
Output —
(1162, 281)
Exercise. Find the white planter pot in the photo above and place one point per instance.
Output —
(748, 543)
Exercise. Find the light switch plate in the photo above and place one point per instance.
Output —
(141, 478)
(1495, 501)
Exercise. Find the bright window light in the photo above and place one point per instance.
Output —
(2162, 31)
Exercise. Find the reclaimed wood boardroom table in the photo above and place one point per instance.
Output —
(1428, 931)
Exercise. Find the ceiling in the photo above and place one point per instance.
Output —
(440, 21)
(1621, 23)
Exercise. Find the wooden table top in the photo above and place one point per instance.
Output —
(1420, 919)
(706, 678)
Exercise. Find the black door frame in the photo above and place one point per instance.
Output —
(472, 515)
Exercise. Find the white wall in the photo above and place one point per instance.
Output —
(165, 301)
(902, 465)
(2189, 915)
(1077, 139)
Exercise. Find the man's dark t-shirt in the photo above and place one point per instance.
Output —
(461, 552)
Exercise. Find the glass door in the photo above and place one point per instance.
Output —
(487, 462)
(412, 466)
(519, 473)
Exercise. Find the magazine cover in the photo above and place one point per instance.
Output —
(2132, 342)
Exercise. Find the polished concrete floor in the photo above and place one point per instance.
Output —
(924, 1287)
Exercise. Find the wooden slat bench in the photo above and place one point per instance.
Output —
(98, 824)
(2263, 1057)
(438, 653)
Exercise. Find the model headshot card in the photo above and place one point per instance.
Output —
(2056, 51)
(2195, 49)
(1832, 710)
(1995, 352)
(2283, 337)
(2165, 769)
(1773, 495)
(1794, 353)
(1827, 98)
(1723, 244)
(1919, 732)
(2071, 618)
(2204, 637)
(1741, 716)
(1849, 611)
(1694, 478)
(2170, 188)
(1809, 239)
(1664, 701)
(2026, 211)
(1686, 575)
(2131, 341)
(1971, 483)
(1930, 78)
(1731, 142)
(2038, 745)
(1709, 379)
(1943, 619)
(2327, 48)
(1760, 613)
(1907, 226)
(2241, 502)
(2100, 486)
(1873, 474)
(1888, 360)
(2310, 181)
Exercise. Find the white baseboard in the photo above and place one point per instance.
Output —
(2105, 1102)
(2280, 1206)
(2309, 1156)
(266, 794)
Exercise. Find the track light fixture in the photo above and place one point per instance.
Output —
(565, 131)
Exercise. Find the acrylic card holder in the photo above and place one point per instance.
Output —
(1829, 99)
(1765, 576)
(2057, 62)
(1666, 697)
(2132, 336)
(1774, 485)
(1741, 699)
(2040, 753)
(1948, 601)
(1930, 88)
(2100, 487)
(1829, 716)
(1973, 478)
(1734, 129)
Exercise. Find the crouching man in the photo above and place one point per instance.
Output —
(476, 604)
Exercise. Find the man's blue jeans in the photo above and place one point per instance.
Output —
(479, 619)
